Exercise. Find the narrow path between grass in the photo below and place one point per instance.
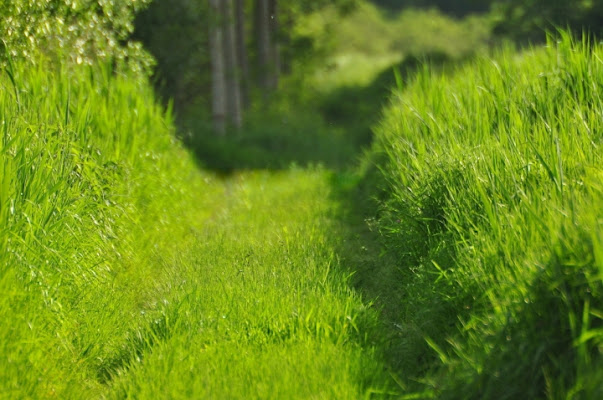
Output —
(262, 306)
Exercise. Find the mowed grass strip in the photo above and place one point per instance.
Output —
(266, 310)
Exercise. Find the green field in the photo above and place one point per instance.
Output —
(461, 258)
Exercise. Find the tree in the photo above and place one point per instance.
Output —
(78, 31)
(275, 48)
(266, 47)
(457, 8)
(170, 30)
(242, 56)
(231, 64)
(527, 20)
(193, 62)
(218, 76)
(226, 89)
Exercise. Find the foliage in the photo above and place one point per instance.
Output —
(452, 7)
(369, 30)
(528, 20)
(324, 110)
(490, 188)
(174, 32)
(274, 138)
(308, 6)
(78, 30)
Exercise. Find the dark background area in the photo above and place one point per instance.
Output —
(454, 7)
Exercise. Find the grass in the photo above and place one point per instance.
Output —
(267, 311)
(490, 190)
(127, 272)
(91, 181)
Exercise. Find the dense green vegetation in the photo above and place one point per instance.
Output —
(447, 246)
(77, 31)
(454, 7)
(490, 182)
(126, 272)
(527, 20)
(91, 182)
(324, 109)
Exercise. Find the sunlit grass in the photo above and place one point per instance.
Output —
(266, 311)
(126, 272)
(91, 180)
(492, 215)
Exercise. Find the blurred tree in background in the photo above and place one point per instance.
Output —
(520, 20)
(261, 41)
(180, 34)
(175, 32)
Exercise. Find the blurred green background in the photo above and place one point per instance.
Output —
(332, 56)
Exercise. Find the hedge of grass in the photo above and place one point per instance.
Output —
(490, 181)
(95, 195)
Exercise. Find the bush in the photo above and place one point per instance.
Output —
(528, 20)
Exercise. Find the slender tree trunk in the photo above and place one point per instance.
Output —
(218, 77)
(233, 88)
(242, 51)
(274, 43)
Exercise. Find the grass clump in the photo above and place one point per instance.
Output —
(491, 210)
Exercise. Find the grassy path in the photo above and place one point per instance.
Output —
(261, 307)
(129, 273)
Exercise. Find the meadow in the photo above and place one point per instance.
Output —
(459, 256)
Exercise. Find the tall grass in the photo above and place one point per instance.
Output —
(492, 179)
(90, 181)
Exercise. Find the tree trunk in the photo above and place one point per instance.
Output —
(242, 51)
(233, 88)
(275, 53)
(264, 43)
(218, 77)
